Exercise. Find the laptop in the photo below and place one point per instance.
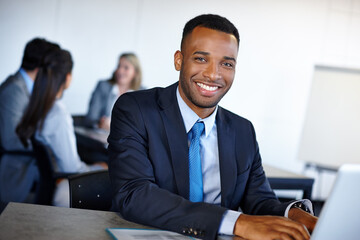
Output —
(340, 216)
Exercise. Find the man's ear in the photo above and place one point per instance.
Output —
(178, 58)
(68, 80)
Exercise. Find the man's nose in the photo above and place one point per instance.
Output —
(212, 72)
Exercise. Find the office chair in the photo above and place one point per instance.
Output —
(46, 163)
(91, 190)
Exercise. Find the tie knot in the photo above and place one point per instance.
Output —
(197, 129)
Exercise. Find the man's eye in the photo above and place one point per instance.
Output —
(229, 65)
(200, 59)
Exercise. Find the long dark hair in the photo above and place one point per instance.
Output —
(51, 77)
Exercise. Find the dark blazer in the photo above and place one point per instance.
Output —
(148, 151)
(17, 173)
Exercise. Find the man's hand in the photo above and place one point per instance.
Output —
(102, 164)
(269, 228)
(303, 217)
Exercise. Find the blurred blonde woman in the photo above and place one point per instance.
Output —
(126, 77)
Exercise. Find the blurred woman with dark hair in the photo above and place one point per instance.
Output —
(48, 120)
(126, 77)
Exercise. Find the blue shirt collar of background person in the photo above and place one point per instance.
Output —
(28, 81)
(190, 117)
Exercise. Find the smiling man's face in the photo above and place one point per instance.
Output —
(207, 68)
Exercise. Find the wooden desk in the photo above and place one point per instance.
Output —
(281, 179)
(29, 221)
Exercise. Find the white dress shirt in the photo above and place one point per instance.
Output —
(58, 134)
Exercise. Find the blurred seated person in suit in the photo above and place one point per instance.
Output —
(18, 173)
(46, 117)
(126, 77)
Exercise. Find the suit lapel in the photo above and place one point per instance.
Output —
(177, 138)
(178, 144)
(226, 143)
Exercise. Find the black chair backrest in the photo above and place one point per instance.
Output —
(91, 190)
(46, 162)
(44, 159)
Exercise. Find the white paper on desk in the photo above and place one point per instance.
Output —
(144, 234)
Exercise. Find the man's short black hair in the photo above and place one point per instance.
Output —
(35, 51)
(211, 21)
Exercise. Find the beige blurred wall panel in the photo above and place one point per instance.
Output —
(331, 134)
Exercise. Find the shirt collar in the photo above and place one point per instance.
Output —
(190, 117)
(115, 90)
(28, 81)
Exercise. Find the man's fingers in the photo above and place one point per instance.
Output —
(307, 230)
(269, 227)
(279, 236)
(292, 231)
(300, 228)
(303, 217)
(284, 236)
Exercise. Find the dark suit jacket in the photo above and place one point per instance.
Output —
(149, 166)
(17, 173)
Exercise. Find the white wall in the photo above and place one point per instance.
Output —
(281, 41)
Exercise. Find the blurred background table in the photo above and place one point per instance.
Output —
(284, 180)
(92, 144)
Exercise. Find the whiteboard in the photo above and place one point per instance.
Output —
(331, 133)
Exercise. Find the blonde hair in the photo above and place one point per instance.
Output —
(132, 58)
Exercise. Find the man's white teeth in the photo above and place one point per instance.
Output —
(206, 87)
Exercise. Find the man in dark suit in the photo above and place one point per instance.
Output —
(151, 147)
(18, 172)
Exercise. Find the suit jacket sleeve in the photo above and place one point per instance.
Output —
(136, 194)
(17, 173)
(96, 105)
(14, 100)
(259, 198)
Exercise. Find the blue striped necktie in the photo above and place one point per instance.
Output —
(195, 172)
